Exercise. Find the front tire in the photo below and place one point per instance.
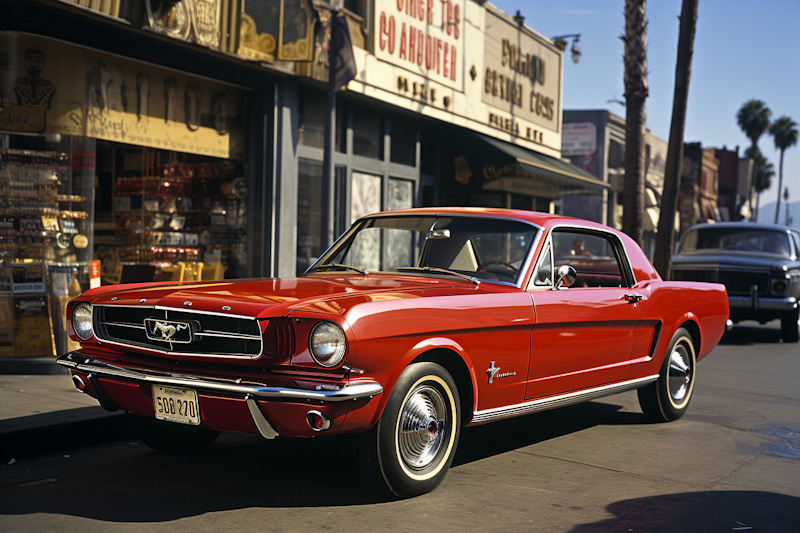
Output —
(170, 437)
(411, 447)
(668, 397)
(790, 326)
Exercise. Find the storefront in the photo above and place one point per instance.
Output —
(125, 155)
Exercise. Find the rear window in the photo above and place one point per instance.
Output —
(713, 239)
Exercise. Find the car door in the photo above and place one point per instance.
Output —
(584, 334)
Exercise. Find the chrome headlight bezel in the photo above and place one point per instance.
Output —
(81, 320)
(327, 344)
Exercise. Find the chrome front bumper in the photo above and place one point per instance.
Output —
(756, 302)
(247, 391)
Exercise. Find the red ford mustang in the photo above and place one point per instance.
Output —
(412, 325)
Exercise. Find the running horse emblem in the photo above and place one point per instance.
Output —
(167, 330)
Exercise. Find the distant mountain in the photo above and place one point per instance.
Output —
(766, 213)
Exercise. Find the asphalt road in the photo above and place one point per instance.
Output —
(731, 464)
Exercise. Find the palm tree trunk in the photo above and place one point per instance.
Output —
(780, 187)
(665, 238)
(636, 92)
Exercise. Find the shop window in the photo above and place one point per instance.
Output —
(399, 244)
(309, 210)
(176, 210)
(403, 141)
(368, 134)
(365, 199)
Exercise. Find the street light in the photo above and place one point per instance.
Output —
(575, 49)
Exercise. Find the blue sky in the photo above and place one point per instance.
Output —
(743, 49)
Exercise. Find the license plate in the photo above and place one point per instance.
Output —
(176, 405)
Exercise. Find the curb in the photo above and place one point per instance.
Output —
(60, 430)
(39, 366)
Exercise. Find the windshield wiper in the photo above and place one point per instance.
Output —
(330, 266)
(474, 280)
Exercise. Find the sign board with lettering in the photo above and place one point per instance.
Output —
(49, 86)
(521, 74)
(425, 37)
(578, 138)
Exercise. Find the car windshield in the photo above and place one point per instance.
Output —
(714, 239)
(482, 248)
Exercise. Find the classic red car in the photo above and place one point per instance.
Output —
(412, 325)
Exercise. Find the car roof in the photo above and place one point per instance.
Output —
(747, 225)
(544, 220)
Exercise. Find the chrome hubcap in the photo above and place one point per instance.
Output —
(680, 373)
(422, 427)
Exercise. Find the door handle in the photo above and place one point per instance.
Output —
(632, 298)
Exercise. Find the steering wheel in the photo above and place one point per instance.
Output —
(501, 263)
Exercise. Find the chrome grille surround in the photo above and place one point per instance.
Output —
(213, 334)
(736, 281)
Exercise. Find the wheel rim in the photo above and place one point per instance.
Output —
(422, 427)
(679, 382)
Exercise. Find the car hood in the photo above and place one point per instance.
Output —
(265, 298)
(738, 260)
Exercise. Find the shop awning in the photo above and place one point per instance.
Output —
(543, 166)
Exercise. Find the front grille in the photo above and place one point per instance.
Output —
(208, 334)
(736, 282)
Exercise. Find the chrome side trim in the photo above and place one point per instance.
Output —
(544, 404)
(261, 422)
(353, 391)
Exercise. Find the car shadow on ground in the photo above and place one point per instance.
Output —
(751, 333)
(702, 511)
(127, 482)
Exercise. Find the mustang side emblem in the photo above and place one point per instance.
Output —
(164, 330)
(492, 372)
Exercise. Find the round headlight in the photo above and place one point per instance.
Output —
(82, 321)
(327, 344)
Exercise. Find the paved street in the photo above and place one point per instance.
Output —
(731, 464)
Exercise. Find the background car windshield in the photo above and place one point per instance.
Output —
(736, 239)
(489, 249)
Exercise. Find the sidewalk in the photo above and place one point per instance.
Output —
(41, 411)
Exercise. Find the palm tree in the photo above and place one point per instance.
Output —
(784, 131)
(753, 118)
(635, 59)
(763, 172)
(665, 238)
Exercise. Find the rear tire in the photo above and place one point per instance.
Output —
(668, 397)
(170, 437)
(790, 326)
(410, 449)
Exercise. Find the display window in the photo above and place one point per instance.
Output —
(111, 171)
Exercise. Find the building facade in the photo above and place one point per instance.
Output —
(176, 140)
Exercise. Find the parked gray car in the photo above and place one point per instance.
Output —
(759, 264)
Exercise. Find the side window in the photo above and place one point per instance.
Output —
(592, 255)
(544, 272)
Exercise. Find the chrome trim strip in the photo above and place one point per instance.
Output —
(212, 333)
(124, 325)
(353, 391)
(261, 422)
(553, 402)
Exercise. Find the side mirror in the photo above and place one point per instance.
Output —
(565, 276)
